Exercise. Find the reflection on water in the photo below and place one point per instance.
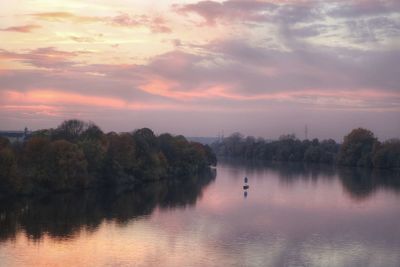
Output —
(62, 215)
(291, 215)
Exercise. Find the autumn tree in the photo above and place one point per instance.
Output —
(9, 180)
(70, 166)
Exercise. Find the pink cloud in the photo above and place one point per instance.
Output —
(23, 29)
(156, 24)
(47, 57)
(55, 101)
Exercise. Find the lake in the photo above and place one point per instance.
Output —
(291, 215)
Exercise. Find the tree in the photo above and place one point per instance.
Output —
(120, 160)
(38, 161)
(78, 154)
(286, 148)
(9, 181)
(387, 155)
(312, 154)
(145, 140)
(92, 132)
(210, 156)
(357, 147)
(70, 166)
(95, 152)
(234, 145)
(4, 142)
(70, 130)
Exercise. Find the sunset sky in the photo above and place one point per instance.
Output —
(263, 68)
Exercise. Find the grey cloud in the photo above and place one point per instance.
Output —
(360, 31)
(245, 67)
(366, 21)
(364, 8)
(374, 29)
(251, 11)
(48, 57)
(211, 11)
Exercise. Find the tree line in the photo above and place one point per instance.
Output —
(79, 154)
(359, 148)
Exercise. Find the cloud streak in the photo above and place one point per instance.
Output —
(46, 57)
(23, 28)
(155, 24)
(64, 17)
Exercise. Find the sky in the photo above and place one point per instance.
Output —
(203, 68)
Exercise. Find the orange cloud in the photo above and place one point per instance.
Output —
(64, 16)
(170, 89)
(167, 88)
(156, 24)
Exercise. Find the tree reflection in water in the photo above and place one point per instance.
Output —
(62, 216)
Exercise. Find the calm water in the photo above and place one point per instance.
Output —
(293, 215)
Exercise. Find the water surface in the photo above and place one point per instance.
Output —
(292, 215)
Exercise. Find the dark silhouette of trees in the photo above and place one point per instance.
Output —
(8, 168)
(78, 155)
(70, 166)
(4, 142)
(37, 162)
(70, 130)
(286, 148)
(387, 154)
(359, 148)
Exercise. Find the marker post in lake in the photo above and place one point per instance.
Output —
(245, 187)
